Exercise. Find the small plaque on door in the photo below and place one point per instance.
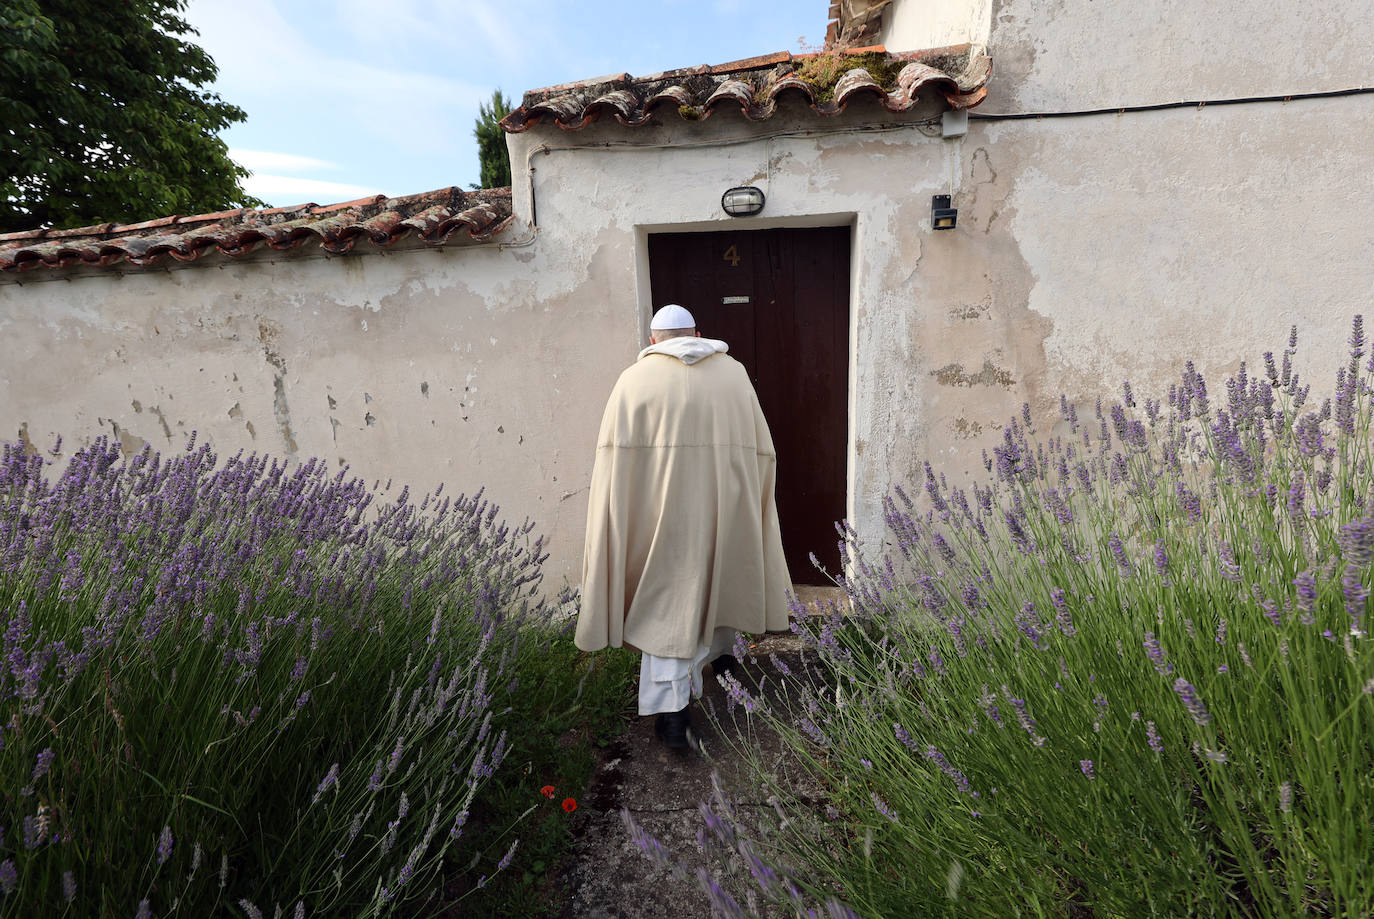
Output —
(728, 300)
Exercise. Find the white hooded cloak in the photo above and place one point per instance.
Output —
(682, 529)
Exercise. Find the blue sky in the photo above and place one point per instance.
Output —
(348, 98)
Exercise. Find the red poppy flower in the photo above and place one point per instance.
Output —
(570, 804)
(547, 791)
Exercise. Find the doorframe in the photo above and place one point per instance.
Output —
(644, 305)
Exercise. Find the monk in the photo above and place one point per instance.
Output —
(683, 548)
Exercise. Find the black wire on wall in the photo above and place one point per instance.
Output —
(1161, 106)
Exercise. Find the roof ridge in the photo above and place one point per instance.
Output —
(434, 216)
(754, 86)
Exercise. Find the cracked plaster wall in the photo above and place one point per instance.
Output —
(422, 367)
(1083, 54)
(1088, 251)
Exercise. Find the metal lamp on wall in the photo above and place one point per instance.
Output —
(742, 201)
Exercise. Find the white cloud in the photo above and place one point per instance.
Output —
(261, 55)
(255, 160)
(296, 190)
(492, 35)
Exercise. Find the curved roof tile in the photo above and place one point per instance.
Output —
(958, 73)
(435, 217)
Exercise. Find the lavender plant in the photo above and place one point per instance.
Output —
(1127, 673)
(245, 688)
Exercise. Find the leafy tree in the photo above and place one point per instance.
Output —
(491, 142)
(102, 115)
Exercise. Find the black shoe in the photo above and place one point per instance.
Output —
(727, 663)
(672, 728)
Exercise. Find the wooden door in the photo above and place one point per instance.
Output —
(780, 298)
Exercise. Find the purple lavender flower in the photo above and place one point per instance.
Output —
(741, 647)
(943, 765)
(722, 903)
(1152, 737)
(42, 764)
(1119, 553)
(9, 876)
(1156, 654)
(1028, 623)
(33, 837)
(506, 859)
(1161, 559)
(1306, 582)
(1017, 533)
(1355, 594)
(1023, 716)
(1190, 503)
(813, 730)
(987, 702)
(1086, 765)
(882, 807)
(164, 845)
(1061, 612)
(330, 779)
(1059, 507)
(943, 548)
(68, 887)
(1189, 697)
(1230, 569)
(1296, 495)
(736, 694)
(458, 823)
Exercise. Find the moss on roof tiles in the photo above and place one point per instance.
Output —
(823, 71)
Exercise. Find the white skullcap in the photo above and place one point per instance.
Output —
(672, 316)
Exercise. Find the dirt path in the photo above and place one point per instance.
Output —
(610, 877)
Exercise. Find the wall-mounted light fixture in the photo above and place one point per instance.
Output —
(942, 216)
(742, 201)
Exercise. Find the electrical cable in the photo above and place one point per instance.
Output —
(1161, 106)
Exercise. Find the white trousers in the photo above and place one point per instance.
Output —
(667, 684)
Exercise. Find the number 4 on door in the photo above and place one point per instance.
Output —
(732, 256)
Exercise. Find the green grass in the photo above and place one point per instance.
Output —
(570, 704)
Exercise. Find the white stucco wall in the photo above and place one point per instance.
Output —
(1089, 250)
(1077, 54)
(425, 366)
(913, 25)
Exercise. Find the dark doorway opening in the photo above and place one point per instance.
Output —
(780, 298)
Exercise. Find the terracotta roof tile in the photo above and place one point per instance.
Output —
(854, 22)
(436, 217)
(751, 63)
(753, 87)
(130, 227)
